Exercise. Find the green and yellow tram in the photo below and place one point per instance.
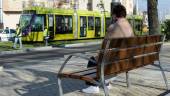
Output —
(64, 24)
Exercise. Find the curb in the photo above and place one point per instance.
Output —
(46, 48)
(1, 68)
(40, 48)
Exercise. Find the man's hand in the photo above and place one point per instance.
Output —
(110, 28)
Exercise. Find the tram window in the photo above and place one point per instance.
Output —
(83, 21)
(64, 24)
(97, 22)
(97, 26)
(51, 22)
(107, 23)
(83, 26)
(38, 24)
(25, 20)
(90, 23)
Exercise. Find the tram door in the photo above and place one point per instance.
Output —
(51, 26)
(97, 27)
(83, 26)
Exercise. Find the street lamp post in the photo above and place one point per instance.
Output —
(75, 6)
(1, 14)
(102, 8)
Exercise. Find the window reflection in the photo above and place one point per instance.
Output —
(63, 24)
(90, 23)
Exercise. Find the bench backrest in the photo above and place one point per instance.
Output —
(124, 54)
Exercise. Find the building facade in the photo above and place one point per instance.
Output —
(10, 10)
(167, 17)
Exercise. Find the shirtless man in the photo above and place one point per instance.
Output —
(120, 28)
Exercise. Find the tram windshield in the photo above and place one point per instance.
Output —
(25, 20)
(34, 22)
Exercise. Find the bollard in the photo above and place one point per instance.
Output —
(1, 68)
(46, 40)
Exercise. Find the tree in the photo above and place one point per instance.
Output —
(154, 27)
(166, 29)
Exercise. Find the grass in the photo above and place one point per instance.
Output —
(7, 46)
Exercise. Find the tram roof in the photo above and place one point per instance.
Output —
(43, 10)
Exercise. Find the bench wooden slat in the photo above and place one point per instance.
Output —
(152, 48)
(129, 64)
(153, 39)
(86, 74)
(125, 42)
(83, 71)
(132, 41)
(113, 55)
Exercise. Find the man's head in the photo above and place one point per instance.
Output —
(118, 11)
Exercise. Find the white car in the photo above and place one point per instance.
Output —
(7, 35)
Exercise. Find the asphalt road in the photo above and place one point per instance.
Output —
(44, 55)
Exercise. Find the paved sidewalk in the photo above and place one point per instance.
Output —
(39, 79)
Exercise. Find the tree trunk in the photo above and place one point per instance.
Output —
(154, 27)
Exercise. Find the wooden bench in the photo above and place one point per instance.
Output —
(116, 56)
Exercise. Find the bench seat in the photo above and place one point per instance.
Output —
(88, 74)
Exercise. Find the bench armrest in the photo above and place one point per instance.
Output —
(84, 57)
(69, 57)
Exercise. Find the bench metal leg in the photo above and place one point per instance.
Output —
(105, 89)
(103, 85)
(163, 74)
(127, 79)
(60, 90)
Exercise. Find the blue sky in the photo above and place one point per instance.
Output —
(163, 6)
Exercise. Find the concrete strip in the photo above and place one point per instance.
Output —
(1, 68)
(46, 48)
(83, 44)
(41, 48)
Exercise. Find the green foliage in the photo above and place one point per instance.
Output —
(166, 29)
(7, 46)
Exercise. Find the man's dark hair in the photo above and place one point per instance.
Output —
(119, 10)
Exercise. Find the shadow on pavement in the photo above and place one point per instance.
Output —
(166, 93)
(48, 87)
